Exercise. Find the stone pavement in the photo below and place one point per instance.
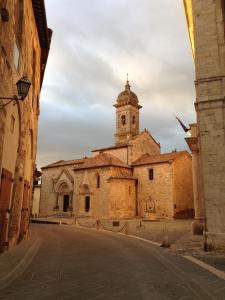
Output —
(76, 263)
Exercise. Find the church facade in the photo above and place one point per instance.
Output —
(129, 179)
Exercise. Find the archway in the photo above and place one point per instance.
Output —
(86, 202)
(64, 198)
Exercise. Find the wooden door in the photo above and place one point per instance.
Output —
(5, 195)
(24, 221)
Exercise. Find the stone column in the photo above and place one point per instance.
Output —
(198, 224)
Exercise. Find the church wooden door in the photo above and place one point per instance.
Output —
(5, 195)
(25, 211)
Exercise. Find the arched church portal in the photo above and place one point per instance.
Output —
(64, 198)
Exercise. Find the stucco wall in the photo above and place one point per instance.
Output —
(18, 149)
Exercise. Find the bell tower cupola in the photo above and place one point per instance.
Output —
(127, 115)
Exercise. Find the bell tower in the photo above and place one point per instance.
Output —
(127, 115)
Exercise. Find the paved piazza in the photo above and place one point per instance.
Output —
(72, 263)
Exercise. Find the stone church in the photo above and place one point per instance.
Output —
(129, 179)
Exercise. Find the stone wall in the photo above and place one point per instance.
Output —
(122, 198)
(36, 201)
(183, 183)
(160, 190)
(85, 184)
(142, 144)
(52, 178)
(209, 48)
(120, 153)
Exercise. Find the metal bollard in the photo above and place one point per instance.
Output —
(97, 224)
(165, 242)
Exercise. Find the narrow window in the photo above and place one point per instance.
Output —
(150, 174)
(98, 181)
(129, 189)
(133, 120)
(12, 124)
(87, 203)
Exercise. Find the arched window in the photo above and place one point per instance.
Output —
(133, 120)
(123, 119)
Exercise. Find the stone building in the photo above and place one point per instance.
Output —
(205, 19)
(24, 46)
(129, 179)
(36, 200)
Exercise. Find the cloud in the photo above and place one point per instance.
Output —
(93, 47)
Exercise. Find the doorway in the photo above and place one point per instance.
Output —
(66, 202)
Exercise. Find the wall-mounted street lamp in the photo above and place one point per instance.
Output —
(23, 86)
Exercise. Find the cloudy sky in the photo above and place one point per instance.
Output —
(95, 44)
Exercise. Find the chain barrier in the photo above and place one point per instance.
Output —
(99, 224)
(86, 225)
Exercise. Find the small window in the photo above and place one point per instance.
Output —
(16, 56)
(12, 124)
(151, 174)
(87, 203)
(133, 120)
(123, 119)
(129, 189)
(98, 181)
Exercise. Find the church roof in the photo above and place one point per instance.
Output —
(122, 174)
(101, 160)
(65, 163)
(147, 159)
(127, 97)
(111, 147)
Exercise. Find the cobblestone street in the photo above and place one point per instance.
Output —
(71, 263)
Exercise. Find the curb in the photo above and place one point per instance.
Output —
(206, 266)
(22, 265)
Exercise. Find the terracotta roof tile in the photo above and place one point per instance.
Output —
(101, 160)
(159, 158)
(111, 147)
(122, 174)
(65, 163)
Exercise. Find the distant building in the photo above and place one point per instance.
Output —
(129, 179)
(36, 200)
(206, 21)
(25, 41)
